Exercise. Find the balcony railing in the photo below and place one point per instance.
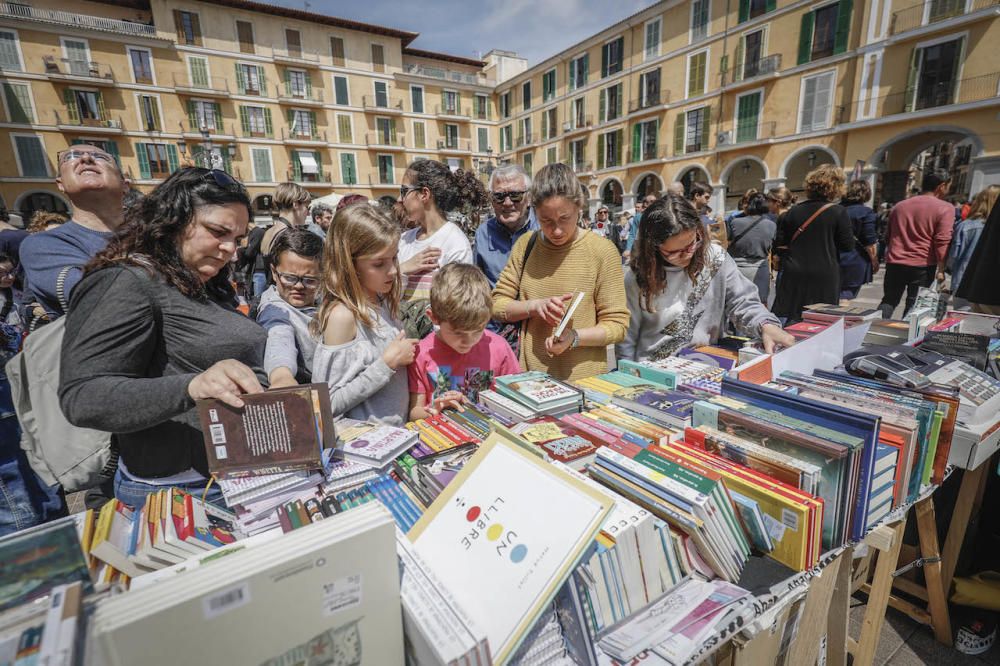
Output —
(307, 179)
(649, 153)
(972, 89)
(83, 21)
(523, 140)
(662, 97)
(461, 145)
(212, 86)
(113, 125)
(578, 126)
(753, 68)
(382, 181)
(452, 111)
(933, 11)
(579, 166)
(448, 75)
(387, 105)
(297, 56)
(481, 114)
(379, 139)
(286, 95)
(95, 72)
(311, 134)
(217, 130)
(759, 132)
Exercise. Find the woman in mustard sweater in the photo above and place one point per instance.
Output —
(545, 271)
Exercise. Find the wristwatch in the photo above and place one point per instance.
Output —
(576, 340)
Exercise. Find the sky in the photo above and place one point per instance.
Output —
(535, 29)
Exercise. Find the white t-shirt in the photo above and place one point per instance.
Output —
(454, 248)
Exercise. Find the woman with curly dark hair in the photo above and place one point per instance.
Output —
(810, 238)
(153, 326)
(682, 288)
(428, 192)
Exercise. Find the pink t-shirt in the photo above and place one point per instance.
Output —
(437, 368)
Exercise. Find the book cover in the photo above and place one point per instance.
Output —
(283, 430)
(38, 559)
(536, 389)
(380, 445)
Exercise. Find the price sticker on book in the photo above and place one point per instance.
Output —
(341, 594)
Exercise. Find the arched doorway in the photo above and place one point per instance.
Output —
(903, 161)
(741, 175)
(611, 195)
(29, 202)
(801, 162)
(648, 183)
(693, 174)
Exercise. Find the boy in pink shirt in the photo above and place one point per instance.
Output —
(461, 358)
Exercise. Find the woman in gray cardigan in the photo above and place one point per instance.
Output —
(682, 289)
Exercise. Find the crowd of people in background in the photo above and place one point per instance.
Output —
(405, 308)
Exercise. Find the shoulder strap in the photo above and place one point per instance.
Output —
(527, 253)
(805, 225)
(61, 288)
(737, 237)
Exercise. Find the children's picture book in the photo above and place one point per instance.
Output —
(38, 559)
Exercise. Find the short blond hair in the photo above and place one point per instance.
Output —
(460, 296)
(286, 195)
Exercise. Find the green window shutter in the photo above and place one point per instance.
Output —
(911, 80)
(600, 151)
(156, 113)
(245, 120)
(218, 117)
(263, 80)
(17, 103)
(636, 143)
(392, 131)
(319, 163)
(199, 72)
(458, 103)
(69, 96)
(112, 149)
(586, 67)
(545, 125)
(192, 115)
(347, 169)
(241, 83)
(444, 102)
(172, 157)
(340, 89)
(619, 140)
(312, 122)
(143, 157)
(843, 26)
(744, 10)
(602, 106)
(288, 82)
(570, 79)
(771, 5)
(806, 37)
(296, 166)
(724, 63)
(738, 64)
(679, 134)
(290, 119)
(309, 85)
(268, 128)
(604, 59)
(618, 102)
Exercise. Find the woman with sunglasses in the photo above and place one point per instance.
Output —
(429, 191)
(682, 289)
(152, 327)
(287, 307)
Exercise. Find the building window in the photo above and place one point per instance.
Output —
(31, 156)
(17, 97)
(451, 137)
(302, 124)
(298, 83)
(293, 43)
(451, 103)
(345, 133)
(188, 28)
(526, 95)
(579, 113)
(528, 161)
(505, 105)
(142, 65)
(550, 123)
(506, 138)
(699, 19)
(385, 170)
(250, 79)
(337, 51)
(348, 169)
(697, 73)
(10, 54)
(609, 149)
(933, 75)
(649, 88)
(578, 68)
(77, 56)
(481, 107)
(694, 136)
(825, 31)
(385, 128)
(612, 57)
(341, 97)
(748, 116)
(156, 160)
(611, 103)
(652, 49)
(256, 120)
(149, 112)
(417, 99)
(548, 85)
(244, 35)
(381, 95)
(525, 137)
(644, 141)
(378, 58)
(484, 139)
(84, 106)
(750, 9)
(199, 71)
(577, 154)
(750, 56)
(261, 159)
(419, 135)
(307, 166)
(817, 100)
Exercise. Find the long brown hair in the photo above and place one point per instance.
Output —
(357, 231)
(664, 218)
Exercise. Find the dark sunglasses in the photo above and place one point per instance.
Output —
(406, 189)
(290, 280)
(221, 178)
(515, 196)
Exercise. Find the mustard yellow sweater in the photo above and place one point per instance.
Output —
(590, 264)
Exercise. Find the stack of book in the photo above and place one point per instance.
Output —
(304, 511)
(559, 440)
(664, 407)
(677, 373)
(452, 428)
(375, 445)
(825, 313)
(538, 393)
(803, 330)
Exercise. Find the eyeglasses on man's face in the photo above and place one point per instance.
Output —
(515, 196)
(75, 154)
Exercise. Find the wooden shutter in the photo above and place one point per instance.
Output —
(69, 96)
(771, 5)
(262, 78)
(196, 28)
(843, 33)
(340, 89)
(636, 143)
(679, 131)
(378, 58)
(545, 125)
(312, 123)
(744, 10)
(217, 112)
(809, 104)
(337, 51)
(600, 151)
(241, 83)
(179, 27)
(347, 170)
(18, 103)
(806, 37)
(605, 56)
(199, 72)
(288, 83)
(344, 129)
(309, 84)
(738, 60)
(244, 32)
(910, 95)
(154, 108)
(192, 115)
(143, 157)
(319, 164)
(244, 120)
(618, 102)
(392, 131)
(172, 157)
(586, 69)
(619, 139)
(602, 107)
(268, 128)
(102, 111)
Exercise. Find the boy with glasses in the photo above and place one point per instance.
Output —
(512, 218)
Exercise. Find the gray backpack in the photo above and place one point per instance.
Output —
(58, 451)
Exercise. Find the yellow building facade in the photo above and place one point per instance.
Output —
(748, 93)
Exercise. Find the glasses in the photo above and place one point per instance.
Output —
(602, 212)
(221, 178)
(290, 280)
(514, 195)
(688, 249)
(74, 154)
(406, 189)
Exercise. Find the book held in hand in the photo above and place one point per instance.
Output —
(282, 430)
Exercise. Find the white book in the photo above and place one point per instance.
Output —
(569, 314)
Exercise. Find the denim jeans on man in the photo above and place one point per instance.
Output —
(134, 493)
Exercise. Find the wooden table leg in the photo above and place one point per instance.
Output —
(970, 497)
(937, 598)
(887, 539)
(840, 608)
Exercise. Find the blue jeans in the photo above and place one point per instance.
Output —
(259, 283)
(134, 493)
(25, 500)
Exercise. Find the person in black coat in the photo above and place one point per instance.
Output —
(981, 282)
(810, 267)
(860, 263)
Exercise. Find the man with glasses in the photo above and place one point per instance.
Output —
(92, 181)
(513, 217)
(633, 231)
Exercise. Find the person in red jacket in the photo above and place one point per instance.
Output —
(917, 240)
